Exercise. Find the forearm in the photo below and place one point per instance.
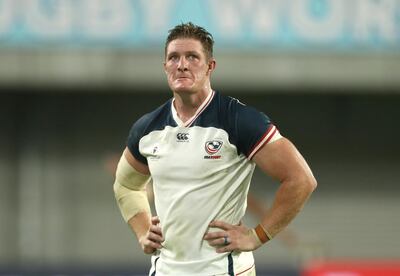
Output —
(289, 200)
(130, 194)
(140, 224)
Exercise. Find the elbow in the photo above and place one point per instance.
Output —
(304, 184)
(314, 184)
(307, 183)
(311, 183)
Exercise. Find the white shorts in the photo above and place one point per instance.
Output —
(240, 264)
(250, 271)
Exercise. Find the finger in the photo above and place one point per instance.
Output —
(155, 237)
(156, 229)
(221, 224)
(149, 250)
(152, 244)
(214, 235)
(224, 249)
(217, 242)
(155, 220)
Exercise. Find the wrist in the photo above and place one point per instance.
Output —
(257, 240)
(262, 234)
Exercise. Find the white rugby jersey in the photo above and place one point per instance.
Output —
(201, 171)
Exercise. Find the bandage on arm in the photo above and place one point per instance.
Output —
(130, 190)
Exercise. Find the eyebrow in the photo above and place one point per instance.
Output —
(186, 53)
(192, 53)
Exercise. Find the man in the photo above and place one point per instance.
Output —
(200, 150)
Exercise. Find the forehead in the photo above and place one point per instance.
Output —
(185, 45)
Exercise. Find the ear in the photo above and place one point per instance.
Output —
(165, 68)
(211, 65)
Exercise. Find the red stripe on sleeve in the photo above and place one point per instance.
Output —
(263, 140)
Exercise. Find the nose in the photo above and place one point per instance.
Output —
(182, 64)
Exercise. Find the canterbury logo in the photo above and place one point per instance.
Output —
(182, 136)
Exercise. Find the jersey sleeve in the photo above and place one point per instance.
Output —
(254, 129)
(135, 134)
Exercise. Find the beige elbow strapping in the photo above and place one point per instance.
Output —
(129, 190)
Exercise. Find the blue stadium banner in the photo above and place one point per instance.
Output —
(332, 25)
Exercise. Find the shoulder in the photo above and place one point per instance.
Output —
(234, 106)
(153, 120)
(249, 128)
(239, 115)
(149, 122)
(227, 102)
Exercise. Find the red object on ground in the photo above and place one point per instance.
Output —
(353, 268)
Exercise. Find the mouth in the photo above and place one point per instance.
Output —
(182, 76)
(182, 79)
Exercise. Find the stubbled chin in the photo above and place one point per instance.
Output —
(182, 89)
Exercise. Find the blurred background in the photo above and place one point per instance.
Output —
(75, 75)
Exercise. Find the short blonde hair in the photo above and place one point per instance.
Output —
(190, 30)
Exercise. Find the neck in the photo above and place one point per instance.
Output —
(186, 104)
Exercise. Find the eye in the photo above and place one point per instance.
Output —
(173, 57)
(192, 57)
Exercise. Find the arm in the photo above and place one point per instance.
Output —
(131, 179)
(282, 161)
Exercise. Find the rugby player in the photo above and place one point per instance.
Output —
(200, 149)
